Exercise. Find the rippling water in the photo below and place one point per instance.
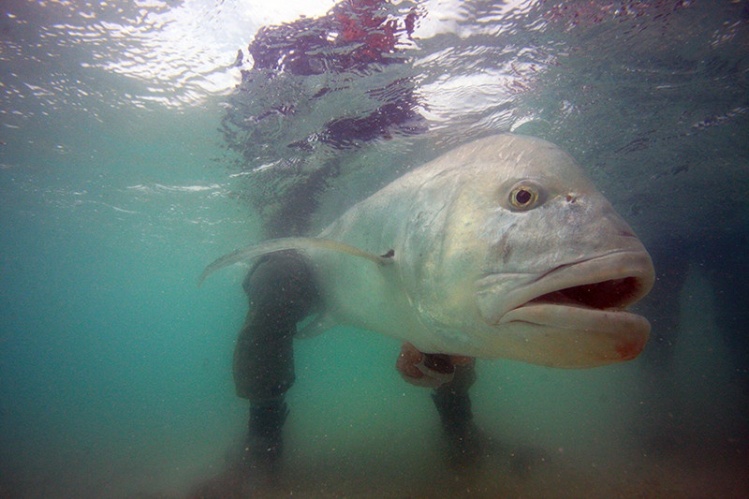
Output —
(140, 140)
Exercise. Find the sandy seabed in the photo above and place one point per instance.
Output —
(690, 471)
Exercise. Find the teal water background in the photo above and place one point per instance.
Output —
(105, 351)
(115, 368)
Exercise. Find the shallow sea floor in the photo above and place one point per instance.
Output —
(692, 471)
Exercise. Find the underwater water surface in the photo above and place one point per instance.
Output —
(130, 159)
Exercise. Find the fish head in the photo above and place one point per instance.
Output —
(532, 262)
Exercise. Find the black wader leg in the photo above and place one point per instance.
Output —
(454, 407)
(281, 292)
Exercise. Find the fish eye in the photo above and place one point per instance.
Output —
(523, 197)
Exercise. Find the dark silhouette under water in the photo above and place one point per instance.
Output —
(358, 38)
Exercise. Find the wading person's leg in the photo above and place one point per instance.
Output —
(281, 292)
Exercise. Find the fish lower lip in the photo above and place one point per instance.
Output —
(573, 337)
(531, 308)
(574, 317)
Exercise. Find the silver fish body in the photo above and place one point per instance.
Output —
(501, 248)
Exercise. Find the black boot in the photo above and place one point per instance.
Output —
(262, 453)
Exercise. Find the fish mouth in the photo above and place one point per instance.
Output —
(610, 282)
(613, 294)
(575, 314)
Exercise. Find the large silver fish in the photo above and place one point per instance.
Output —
(501, 248)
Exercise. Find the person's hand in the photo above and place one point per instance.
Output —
(428, 370)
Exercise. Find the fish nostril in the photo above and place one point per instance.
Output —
(571, 198)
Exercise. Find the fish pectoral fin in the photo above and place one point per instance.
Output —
(315, 326)
(289, 243)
